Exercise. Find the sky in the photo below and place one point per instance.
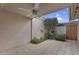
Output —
(62, 15)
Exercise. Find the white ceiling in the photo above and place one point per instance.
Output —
(51, 7)
(25, 9)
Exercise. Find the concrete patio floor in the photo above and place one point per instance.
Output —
(49, 47)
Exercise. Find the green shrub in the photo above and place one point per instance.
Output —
(36, 40)
(50, 33)
(60, 37)
(50, 22)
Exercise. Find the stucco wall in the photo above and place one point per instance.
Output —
(37, 26)
(78, 32)
(61, 30)
(15, 30)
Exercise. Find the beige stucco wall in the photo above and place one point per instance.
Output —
(78, 32)
(15, 30)
(37, 26)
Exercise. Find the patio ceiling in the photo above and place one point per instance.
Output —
(26, 9)
(45, 8)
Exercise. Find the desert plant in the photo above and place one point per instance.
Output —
(42, 30)
(60, 37)
(50, 34)
(36, 40)
(50, 24)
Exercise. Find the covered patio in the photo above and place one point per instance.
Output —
(20, 23)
